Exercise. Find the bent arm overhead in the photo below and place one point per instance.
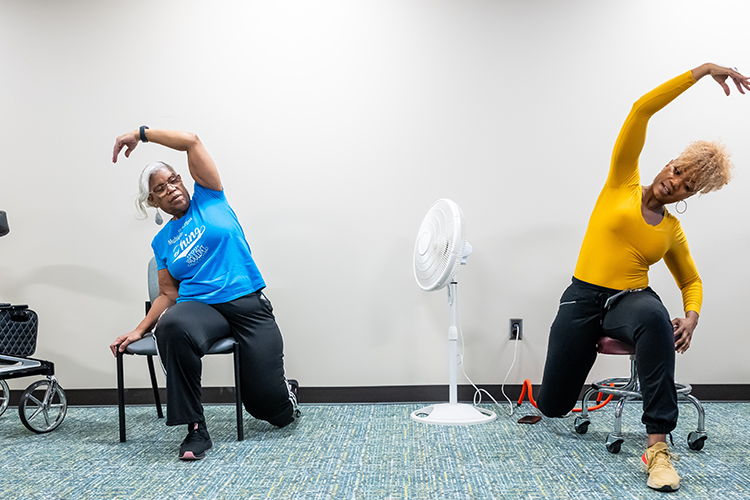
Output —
(202, 167)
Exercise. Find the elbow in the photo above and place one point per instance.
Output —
(695, 282)
(170, 297)
(191, 140)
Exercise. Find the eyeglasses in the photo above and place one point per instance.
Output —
(173, 181)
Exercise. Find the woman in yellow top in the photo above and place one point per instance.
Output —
(629, 230)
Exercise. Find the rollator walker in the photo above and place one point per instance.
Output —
(42, 406)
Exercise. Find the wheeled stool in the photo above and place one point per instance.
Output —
(629, 390)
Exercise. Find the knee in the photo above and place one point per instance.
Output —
(657, 316)
(550, 412)
(271, 404)
(172, 328)
(652, 316)
(644, 307)
(176, 331)
(283, 418)
(551, 409)
(542, 407)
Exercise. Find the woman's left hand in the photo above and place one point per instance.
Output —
(129, 141)
(683, 331)
(721, 74)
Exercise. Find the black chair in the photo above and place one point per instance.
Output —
(147, 347)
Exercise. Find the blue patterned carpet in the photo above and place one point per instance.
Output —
(364, 451)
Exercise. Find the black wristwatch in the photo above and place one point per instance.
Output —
(143, 133)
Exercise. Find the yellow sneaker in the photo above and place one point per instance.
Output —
(661, 474)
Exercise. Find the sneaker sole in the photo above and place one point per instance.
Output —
(188, 456)
(665, 487)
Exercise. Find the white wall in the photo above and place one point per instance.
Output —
(336, 125)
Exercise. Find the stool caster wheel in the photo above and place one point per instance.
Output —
(696, 440)
(582, 425)
(613, 444)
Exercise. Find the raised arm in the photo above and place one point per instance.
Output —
(630, 142)
(202, 167)
(624, 167)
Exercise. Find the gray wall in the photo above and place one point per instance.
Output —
(335, 125)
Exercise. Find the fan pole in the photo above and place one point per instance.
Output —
(453, 413)
(453, 344)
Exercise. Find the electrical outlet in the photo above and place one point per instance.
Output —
(516, 329)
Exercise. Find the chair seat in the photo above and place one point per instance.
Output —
(608, 345)
(222, 346)
(144, 347)
(147, 346)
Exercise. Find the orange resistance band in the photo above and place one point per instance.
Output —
(527, 387)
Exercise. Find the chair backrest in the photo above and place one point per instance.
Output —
(153, 280)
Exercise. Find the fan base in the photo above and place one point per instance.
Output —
(453, 414)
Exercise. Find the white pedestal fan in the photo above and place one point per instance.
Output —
(441, 247)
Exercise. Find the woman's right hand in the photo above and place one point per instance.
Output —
(122, 342)
(129, 141)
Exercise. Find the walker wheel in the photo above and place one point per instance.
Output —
(4, 396)
(582, 425)
(43, 406)
(696, 440)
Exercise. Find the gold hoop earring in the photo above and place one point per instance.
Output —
(678, 210)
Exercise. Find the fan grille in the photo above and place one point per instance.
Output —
(440, 245)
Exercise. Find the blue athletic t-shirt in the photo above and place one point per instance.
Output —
(207, 252)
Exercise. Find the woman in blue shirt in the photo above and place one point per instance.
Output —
(209, 289)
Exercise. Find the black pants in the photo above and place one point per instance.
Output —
(188, 329)
(638, 318)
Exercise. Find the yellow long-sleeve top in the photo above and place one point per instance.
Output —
(619, 245)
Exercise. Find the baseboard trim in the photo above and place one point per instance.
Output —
(364, 395)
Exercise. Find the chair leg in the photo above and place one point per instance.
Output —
(238, 393)
(121, 396)
(154, 386)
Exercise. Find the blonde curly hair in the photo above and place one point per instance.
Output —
(706, 164)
